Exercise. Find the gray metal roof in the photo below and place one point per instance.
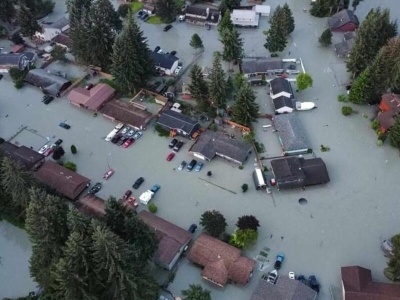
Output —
(341, 18)
(280, 84)
(165, 61)
(343, 48)
(251, 65)
(59, 24)
(17, 60)
(283, 101)
(174, 120)
(50, 83)
(291, 132)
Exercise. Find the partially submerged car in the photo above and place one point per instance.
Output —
(95, 189)
(279, 260)
(108, 174)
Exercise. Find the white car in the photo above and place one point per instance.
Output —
(119, 126)
(305, 105)
(44, 149)
(178, 69)
(146, 197)
(111, 134)
(125, 130)
(137, 135)
(291, 275)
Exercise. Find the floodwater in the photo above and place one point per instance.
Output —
(15, 251)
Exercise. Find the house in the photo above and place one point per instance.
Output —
(50, 31)
(27, 158)
(263, 10)
(282, 95)
(63, 40)
(221, 262)
(389, 110)
(184, 125)
(49, 83)
(126, 113)
(172, 240)
(297, 172)
(63, 180)
(93, 99)
(21, 61)
(343, 48)
(291, 134)
(91, 206)
(210, 144)
(202, 15)
(357, 284)
(261, 66)
(165, 63)
(19, 48)
(344, 20)
(245, 18)
(284, 289)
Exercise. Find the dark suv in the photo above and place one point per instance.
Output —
(138, 182)
(178, 146)
(191, 165)
(173, 143)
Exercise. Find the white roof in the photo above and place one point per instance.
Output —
(263, 9)
(243, 14)
(146, 197)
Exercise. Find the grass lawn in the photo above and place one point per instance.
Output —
(154, 20)
(136, 6)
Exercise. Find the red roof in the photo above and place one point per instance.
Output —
(358, 285)
(390, 101)
(17, 48)
(92, 99)
(386, 120)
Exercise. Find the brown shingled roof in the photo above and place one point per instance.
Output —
(91, 205)
(221, 262)
(92, 99)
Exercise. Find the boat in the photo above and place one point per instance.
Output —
(305, 105)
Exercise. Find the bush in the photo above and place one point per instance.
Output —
(375, 124)
(342, 98)
(245, 187)
(347, 110)
(16, 38)
(123, 10)
(152, 208)
(325, 148)
(161, 131)
(70, 165)
(379, 142)
(213, 127)
(241, 167)
(19, 84)
(16, 74)
(73, 149)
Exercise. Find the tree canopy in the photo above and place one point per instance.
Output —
(217, 85)
(394, 136)
(196, 42)
(245, 108)
(7, 10)
(248, 222)
(213, 222)
(242, 238)
(304, 81)
(39, 8)
(233, 45)
(167, 10)
(325, 8)
(198, 87)
(196, 292)
(27, 21)
(282, 24)
(326, 38)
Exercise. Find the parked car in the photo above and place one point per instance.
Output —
(292, 67)
(89, 86)
(156, 49)
(119, 126)
(170, 156)
(108, 174)
(279, 260)
(48, 100)
(272, 277)
(178, 69)
(172, 143)
(198, 166)
(64, 125)
(192, 228)
(137, 135)
(173, 52)
(178, 146)
(182, 165)
(302, 279)
(1, 76)
(131, 132)
(111, 135)
(44, 149)
(116, 138)
(168, 27)
(125, 130)
(95, 189)
(387, 247)
(122, 140)
(127, 195)
(128, 142)
(58, 142)
(312, 280)
(191, 165)
(144, 15)
(140, 13)
(145, 18)
(138, 183)
(292, 275)
(155, 188)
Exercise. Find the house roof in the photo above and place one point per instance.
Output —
(165, 61)
(243, 14)
(221, 261)
(343, 48)
(91, 205)
(17, 60)
(126, 113)
(196, 10)
(24, 156)
(386, 119)
(211, 143)
(50, 83)
(174, 120)
(263, 9)
(59, 24)
(63, 180)
(63, 39)
(279, 85)
(17, 48)
(171, 237)
(292, 172)
(213, 16)
(92, 99)
(392, 101)
(284, 289)
(283, 101)
(291, 133)
(349, 35)
(342, 18)
(251, 65)
(358, 285)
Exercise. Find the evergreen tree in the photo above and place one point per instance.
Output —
(276, 36)
(326, 38)
(27, 21)
(288, 20)
(248, 222)
(325, 8)
(226, 22)
(303, 81)
(394, 262)
(228, 5)
(373, 33)
(213, 222)
(394, 135)
(196, 42)
(233, 45)
(196, 292)
(245, 109)
(58, 152)
(217, 85)
(133, 73)
(39, 8)
(46, 224)
(362, 87)
(7, 10)
(166, 10)
(198, 87)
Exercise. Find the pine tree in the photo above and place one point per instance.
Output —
(276, 37)
(362, 87)
(196, 42)
(133, 73)
(233, 45)
(288, 19)
(228, 5)
(226, 22)
(326, 38)
(373, 33)
(39, 8)
(167, 10)
(245, 109)
(7, 10)
(27, 21)
(394, 134)
(217, 85)
(198, 87)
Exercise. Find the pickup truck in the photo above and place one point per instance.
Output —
(148, 195)
(279, 260)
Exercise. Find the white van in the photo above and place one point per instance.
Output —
(111, 134)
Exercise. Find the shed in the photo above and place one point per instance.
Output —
(263, 10)
(49, 83)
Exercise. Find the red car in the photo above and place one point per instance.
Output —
(108, 174)
(170, 156)
(127, 194)
(128, 142)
